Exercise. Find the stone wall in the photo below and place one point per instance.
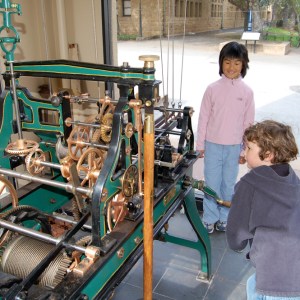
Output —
(152, 18)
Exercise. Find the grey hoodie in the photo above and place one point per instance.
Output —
(266, 208)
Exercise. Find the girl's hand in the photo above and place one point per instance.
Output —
(201, 154)
(242, 160)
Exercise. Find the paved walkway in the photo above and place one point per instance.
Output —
(276, 84)
(274, 78)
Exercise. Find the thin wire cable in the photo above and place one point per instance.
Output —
(94, 31)
(168, 55)
(46, 39)
(95, 42)
(161, 54)
(183, 40)
(173, 63)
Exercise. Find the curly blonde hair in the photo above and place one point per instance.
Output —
(274, 137)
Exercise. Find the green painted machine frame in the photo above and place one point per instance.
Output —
(120, 248)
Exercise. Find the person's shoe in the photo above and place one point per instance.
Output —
(209, 227)
(221, 226)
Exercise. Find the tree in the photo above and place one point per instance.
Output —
(296, 7)
(282, 9)
(255, 6)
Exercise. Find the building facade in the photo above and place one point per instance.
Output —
(153, 18)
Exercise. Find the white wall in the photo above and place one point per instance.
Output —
(48, 27)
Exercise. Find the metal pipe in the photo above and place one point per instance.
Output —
(67, 220)
(62, 36)
(37, 234)
(163, 109)
(78, 123)
(164, 164)
(165, 147)
(161, 163)
(139, 122)
(148, 198)
(106, 9)
(83, 98)
(66, 186)
(136, 105)
(49, 164)
(104, 147)
(48, 144)
(15, 99)
(140, 20)
(168, 131)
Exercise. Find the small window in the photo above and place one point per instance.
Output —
(49, 116)
(126, 8)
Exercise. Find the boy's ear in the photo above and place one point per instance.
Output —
(269, 156)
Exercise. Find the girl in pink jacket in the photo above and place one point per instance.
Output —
(227, 109)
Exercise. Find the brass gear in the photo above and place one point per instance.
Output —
(106, 108)
(129, 130)
(76, 141)
(65, 166)
(116, 210)
(33, 161)
(96, 138)
(6, 184)
(89, 165)
(21, 147)
(106, 127)
(130, 181)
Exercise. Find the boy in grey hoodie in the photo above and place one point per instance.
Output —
(266, 209)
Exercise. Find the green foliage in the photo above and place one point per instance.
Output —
(278, 31)
(281, 34)
(281, 8)
(126, 37)
(245, 5)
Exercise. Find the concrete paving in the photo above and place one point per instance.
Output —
(276, 84)
(189, 64)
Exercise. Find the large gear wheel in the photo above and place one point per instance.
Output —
(6, 184)
(89, 166)
(79, 136)
(106, 108)
(130, 181)
(96, 138)
(21, 147)
(116, 211)
(33, 161)
(106, 127)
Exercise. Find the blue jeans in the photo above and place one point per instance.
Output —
(221, 166)
(252, 295)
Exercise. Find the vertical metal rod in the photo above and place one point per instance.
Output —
(148, 198)
(136, 105)
(106, 7)
(15, 99)
(140, 20)
(139, 122)
(62, 37)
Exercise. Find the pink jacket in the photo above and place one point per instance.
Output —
(227, 109)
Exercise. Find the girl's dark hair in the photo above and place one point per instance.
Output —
(274, 137)
(234, 50)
